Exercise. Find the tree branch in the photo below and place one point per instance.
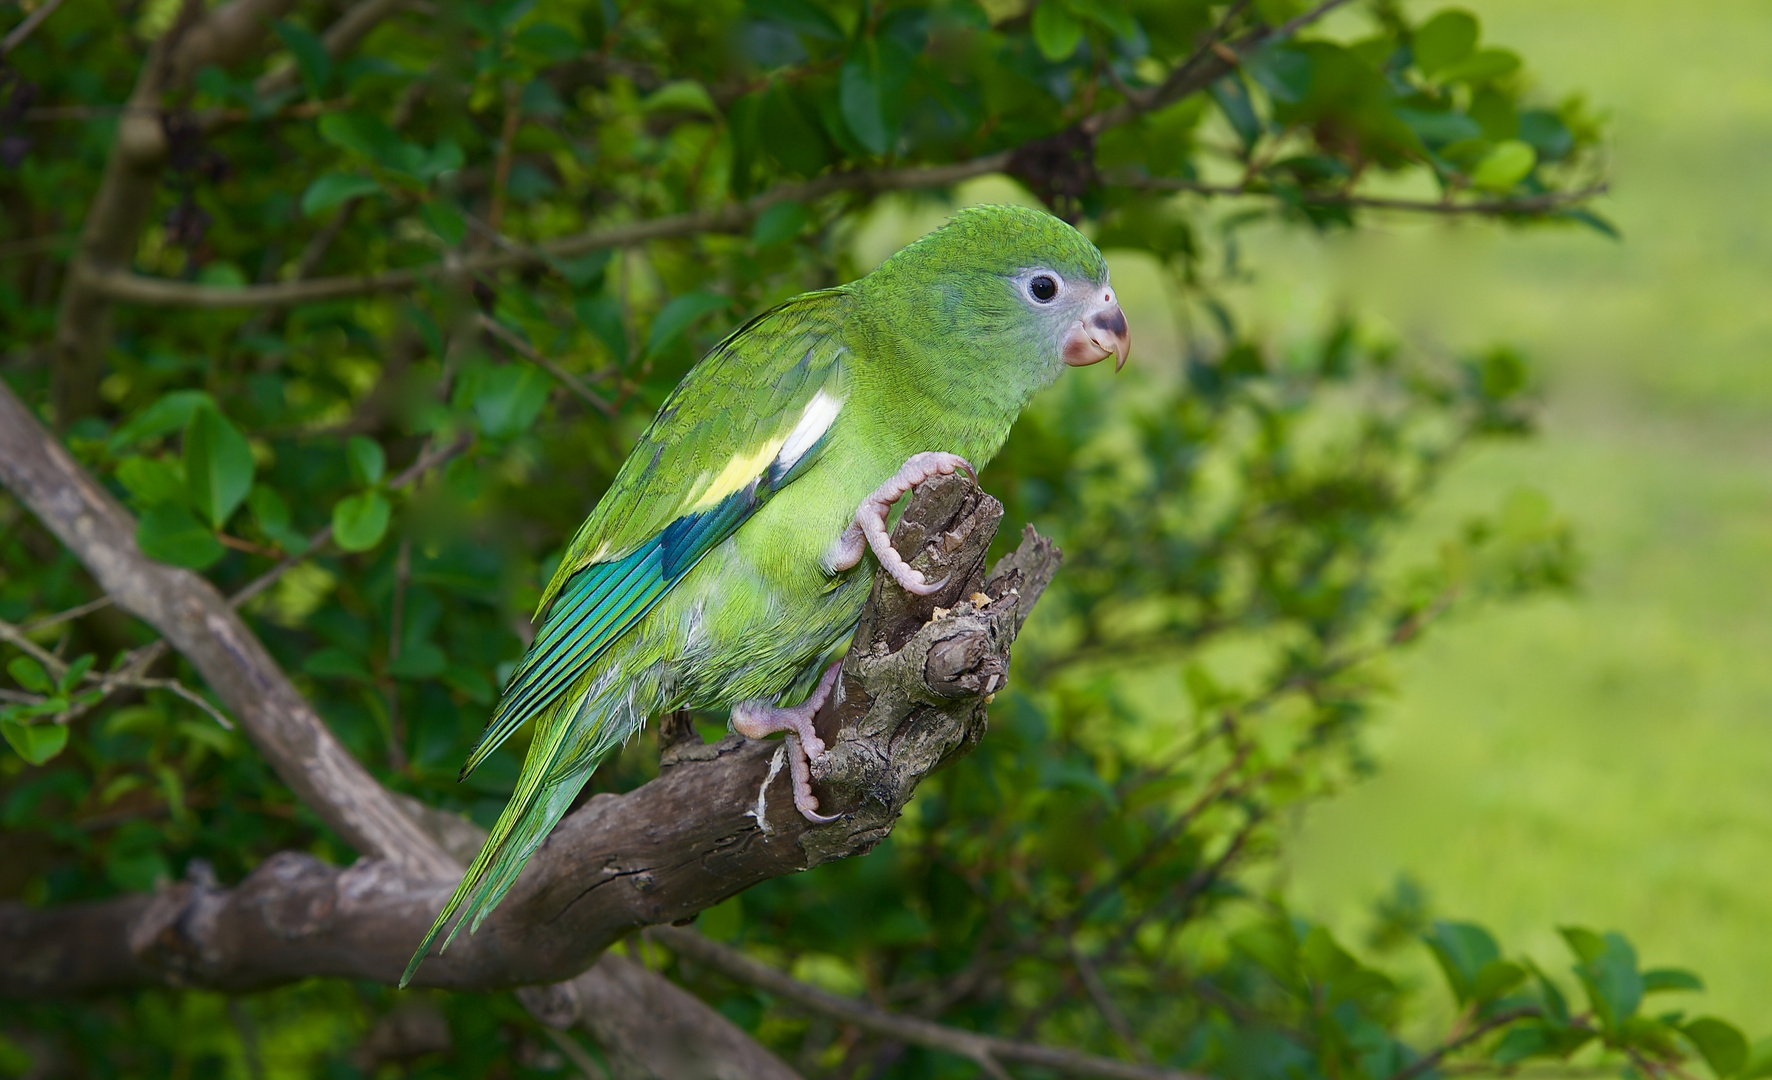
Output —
(912, 696)
(220, 36)
(1197, 72)
(27, 27)
(198, 621)
(125, 286)
(972, 1045)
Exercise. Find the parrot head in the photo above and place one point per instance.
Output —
(1027, 290)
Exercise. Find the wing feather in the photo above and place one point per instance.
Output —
(745, 423)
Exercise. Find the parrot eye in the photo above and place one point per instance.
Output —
(1043, 289)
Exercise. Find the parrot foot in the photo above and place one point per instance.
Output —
(869, 527)
(756, 719)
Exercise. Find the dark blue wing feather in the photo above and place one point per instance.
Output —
(600, 602)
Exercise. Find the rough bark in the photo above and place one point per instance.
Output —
(199, 622)
(717, 820)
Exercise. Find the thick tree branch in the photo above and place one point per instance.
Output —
(972, 1045)
(220, 36)
(122, 285)
(717, 820)
(199, 622)
(126, 193)
(116, 282)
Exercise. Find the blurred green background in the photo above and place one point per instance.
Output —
(1604, 759)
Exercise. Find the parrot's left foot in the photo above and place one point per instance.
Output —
(869, 527)
(756, 719)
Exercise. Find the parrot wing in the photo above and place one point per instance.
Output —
(748, 420)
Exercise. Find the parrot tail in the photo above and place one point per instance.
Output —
(540, 801)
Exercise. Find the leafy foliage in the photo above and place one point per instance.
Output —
(389, 474)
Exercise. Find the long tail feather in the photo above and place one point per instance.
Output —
(535, 808)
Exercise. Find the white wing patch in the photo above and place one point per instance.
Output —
(816, 419)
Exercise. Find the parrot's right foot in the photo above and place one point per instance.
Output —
(757, 718)
(869, 527)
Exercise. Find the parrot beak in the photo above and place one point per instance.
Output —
(1098, 335)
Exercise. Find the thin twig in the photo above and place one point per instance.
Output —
(984, 1050)
(1104, 1003)
(578, 1055)
(428, 460)
(24, 29)
(123, 285)
(15, 636)
(396, 727)
(1431, 1060)
(63, 616)
(501, 171)
(528, 352)
(36, 245)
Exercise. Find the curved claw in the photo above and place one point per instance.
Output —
(800, 771)
(923, 587)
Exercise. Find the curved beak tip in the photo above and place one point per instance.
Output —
(1103, 333)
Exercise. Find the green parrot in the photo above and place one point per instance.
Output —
(725, 567)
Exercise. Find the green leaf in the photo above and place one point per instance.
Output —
(168, 414)
(780, 222)
(1057, 32)
(1232, 98)
(601, 315)
(678, 315)
(360, 521)
(153, 480)
(170, 533)
(509, 398)
(583, 271)
(446, 221)
(368, 460)
(218, 465)
(76, 671)
(272, 515)
(28, 673)
(1759, 1061)
(1663, 979)
(311, 57)
(445, 157)
(1504, 166)
(1485, 65)
(683, 95)
(222, 274)
(790, 131)
(335, 663)
(1495, 979)
(801, 15)
(1523, 1041)
(1444, 40)
(870, 91)
(553, 42)
(420, 660)
(1116, 20)
(331, 189)
(36, 743)
(1608, 972)
(364, 134)
(1463, 950)
(1724, 1047)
